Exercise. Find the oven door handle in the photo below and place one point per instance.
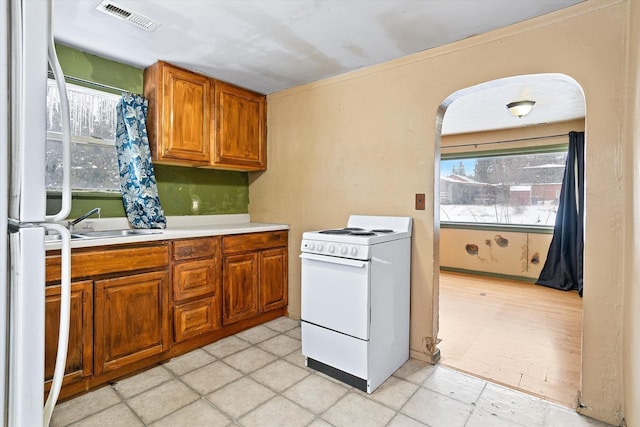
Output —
(334, 260)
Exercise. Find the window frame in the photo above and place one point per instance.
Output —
(462, 155)
(95, 90)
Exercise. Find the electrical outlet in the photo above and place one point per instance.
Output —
(420, 202)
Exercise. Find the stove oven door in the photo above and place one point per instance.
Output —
(335, 294)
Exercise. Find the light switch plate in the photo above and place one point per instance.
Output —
(420, 202)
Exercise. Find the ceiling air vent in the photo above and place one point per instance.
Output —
(114, 9)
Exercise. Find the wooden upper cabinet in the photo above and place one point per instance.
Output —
(179, 123)
(240, 140)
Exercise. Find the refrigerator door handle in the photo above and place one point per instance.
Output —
(63, 334)
(65, 209)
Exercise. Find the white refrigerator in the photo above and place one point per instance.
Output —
(25, 50)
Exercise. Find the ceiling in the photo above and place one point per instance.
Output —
(558, 98)
(271, 45)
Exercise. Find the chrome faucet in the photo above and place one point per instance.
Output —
(83, 217)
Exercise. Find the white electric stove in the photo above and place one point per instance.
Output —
(355, 299)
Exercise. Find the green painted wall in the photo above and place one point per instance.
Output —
(183, 190)
(192, 191)
(92, 68)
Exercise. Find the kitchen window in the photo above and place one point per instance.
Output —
(94, 166)
(518, 188)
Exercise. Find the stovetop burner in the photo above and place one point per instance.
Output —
(355, 231)
(339, 231)
(362, 233)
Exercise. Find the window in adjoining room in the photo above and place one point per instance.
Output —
(94, 166)
(520, 189)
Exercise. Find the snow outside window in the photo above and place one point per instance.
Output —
(94, 166)
(515, 189)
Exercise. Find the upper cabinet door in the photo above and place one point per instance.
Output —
(240, 139)
(179, 122)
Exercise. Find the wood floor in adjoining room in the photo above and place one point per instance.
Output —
(521, 335)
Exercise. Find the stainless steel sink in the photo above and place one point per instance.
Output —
(104, 234)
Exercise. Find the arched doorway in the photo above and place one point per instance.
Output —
(503, 328)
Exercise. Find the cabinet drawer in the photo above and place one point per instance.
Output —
(195, 248)
(254, 241)
(194, 278)
(194, 318)
(110, 259)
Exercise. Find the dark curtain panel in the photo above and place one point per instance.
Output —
(563, 268)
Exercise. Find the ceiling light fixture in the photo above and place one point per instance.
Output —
(520, 109)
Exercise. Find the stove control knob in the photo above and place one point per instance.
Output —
(312, 246)
(344, 250)
(332, 249)
(354, 251)
(320, 247)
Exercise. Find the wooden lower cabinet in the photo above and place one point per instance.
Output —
(136, 305)
(79, 363)
(131, 319)
(254, 274)
(240, 283)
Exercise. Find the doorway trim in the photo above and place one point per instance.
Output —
(440, 115)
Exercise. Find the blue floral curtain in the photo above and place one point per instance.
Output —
(137, 180)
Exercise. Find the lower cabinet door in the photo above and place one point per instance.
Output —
(80, 348)
(239, 287)
(131, 320)
(273, 279)
(194, 318)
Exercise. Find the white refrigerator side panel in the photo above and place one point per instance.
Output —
(26, 338)
(29, 31)
(4, 210)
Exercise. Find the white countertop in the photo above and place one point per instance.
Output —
(178, 227)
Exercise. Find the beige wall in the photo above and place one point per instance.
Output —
(632, 289)
(366, 142)
(511, 138)
(522, 254)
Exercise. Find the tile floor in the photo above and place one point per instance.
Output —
(258, 378)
